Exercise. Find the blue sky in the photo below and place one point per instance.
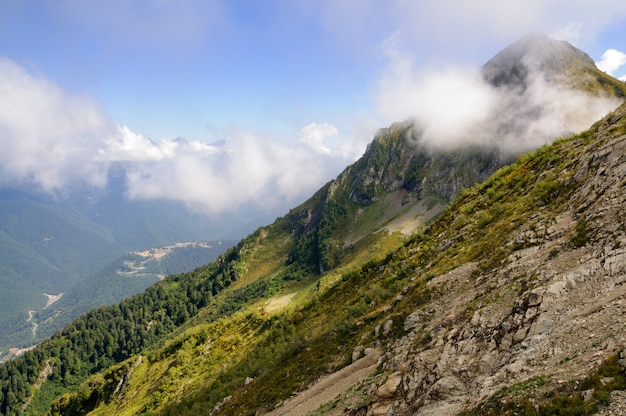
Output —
(301, 83)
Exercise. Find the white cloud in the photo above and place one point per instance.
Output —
(445, 103)
(542, 113)
(130, 146)
(48, 136)
(315, 134)
(611, 61)
(249, 169)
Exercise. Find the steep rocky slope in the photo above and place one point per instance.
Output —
(537, 315)
(398, 185)
(512, 302)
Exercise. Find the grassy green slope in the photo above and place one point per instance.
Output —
(285, 349)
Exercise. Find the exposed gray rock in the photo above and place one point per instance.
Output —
(412, 321)
(390, 386)
(542, 326)
(563, 325)
(387, 327)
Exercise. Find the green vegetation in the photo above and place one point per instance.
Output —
(580, 238)
(217, 356)
(53, 246)
(292, 301)
(294, 253)
(108, 335)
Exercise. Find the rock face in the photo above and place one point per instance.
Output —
(397, 159)
(556, 306)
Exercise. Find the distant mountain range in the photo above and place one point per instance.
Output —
(71, 244)
(421, 279)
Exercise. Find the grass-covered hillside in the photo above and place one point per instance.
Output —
(484, 275)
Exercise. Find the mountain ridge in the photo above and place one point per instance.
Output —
(218, 340)
(465, 321)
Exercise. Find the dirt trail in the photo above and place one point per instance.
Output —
(329, 387)
(43, 376)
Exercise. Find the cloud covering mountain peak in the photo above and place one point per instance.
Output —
(530, 93)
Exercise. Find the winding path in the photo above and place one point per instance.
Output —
(34, 324)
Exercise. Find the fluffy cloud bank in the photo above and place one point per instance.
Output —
(54, 139)
(247, 168)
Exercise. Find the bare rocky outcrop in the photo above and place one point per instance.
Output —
(398, 159)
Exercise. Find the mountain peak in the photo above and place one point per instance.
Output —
(535, 51)
(558, 61)
(546, 49)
